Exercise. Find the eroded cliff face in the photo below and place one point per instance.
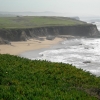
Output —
(24, 34)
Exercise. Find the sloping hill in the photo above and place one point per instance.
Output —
(32, 21)
(21, 28)
(25, 79)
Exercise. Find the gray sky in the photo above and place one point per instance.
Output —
(72, 7)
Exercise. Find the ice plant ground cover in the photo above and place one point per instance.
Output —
(25, 79)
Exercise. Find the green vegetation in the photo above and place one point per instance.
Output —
(24, 79)
(32, 21)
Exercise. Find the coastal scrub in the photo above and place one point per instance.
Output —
(25, 79)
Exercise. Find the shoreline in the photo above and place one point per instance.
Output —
(16, 48)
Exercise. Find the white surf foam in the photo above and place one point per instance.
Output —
(83, 53)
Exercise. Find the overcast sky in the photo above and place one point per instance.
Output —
(76, 7)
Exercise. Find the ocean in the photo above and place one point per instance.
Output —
(80, 52)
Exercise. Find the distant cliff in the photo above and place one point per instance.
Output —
(24, 34)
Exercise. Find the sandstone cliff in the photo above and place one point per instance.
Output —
(24, 34)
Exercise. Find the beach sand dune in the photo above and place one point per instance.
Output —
(19, 47)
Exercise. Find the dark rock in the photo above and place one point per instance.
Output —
(23, 36)
(7, 42)
(86, 47)
(2, 41)
(50, 37)
(80, 44)
(86, 30)
(40, 39)
(87, 62)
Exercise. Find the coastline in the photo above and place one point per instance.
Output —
(16, 48)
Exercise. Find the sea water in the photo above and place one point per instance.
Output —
(81, 52)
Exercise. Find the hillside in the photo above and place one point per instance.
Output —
(33, 21)
(21, 28)
(24, 79)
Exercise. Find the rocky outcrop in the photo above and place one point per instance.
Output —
(24, 34)
(2, 41)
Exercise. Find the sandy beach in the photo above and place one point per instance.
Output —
(17, 48)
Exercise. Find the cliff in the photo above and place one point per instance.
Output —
(26, 33)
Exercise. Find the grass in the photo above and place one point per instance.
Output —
(24, 79)
(33, 21)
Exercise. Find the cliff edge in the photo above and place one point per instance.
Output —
(26, 33)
